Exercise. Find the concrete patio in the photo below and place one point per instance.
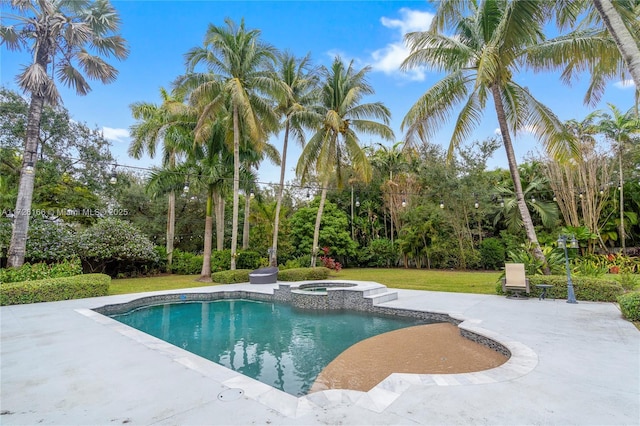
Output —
(62, 363)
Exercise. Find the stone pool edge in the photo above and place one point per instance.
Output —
(522, 359)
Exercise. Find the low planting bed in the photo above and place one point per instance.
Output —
(585, 288)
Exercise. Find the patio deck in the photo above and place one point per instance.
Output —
(61, 363)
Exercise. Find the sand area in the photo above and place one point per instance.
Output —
(423, 349)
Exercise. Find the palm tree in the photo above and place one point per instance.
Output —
(237, 60)
(335, 144)
(622, 34)
(294, 97)
(594, 45)
(167, 124)
(479, 59)
(392, 161)
(620, 129)
(57, 32)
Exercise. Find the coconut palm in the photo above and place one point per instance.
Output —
(236, 60)
(620, 129)
(622, 32)
(479, 58)
(335, 145)
(71, 36)
(294, 97)
(170, 125)
(593, 45)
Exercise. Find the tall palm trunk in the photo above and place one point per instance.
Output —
(245, 227)
(171, 215)
(219, 211)
(205, 273)
(171, 226)
(515, 176)
(276, 223)
(316, 230)
(18, 245)
(622, 235)
(624, 39)
(236, 186)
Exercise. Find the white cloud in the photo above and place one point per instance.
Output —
(389, 58)
(625, 84)
(115, 135)
(412, 20)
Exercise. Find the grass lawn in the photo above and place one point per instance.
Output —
(413, 279)
(423, 279)
(162, 282)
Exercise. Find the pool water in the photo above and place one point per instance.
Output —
(271, 342)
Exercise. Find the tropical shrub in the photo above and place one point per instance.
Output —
(630, 305)
(380, 253)
(186, 263)
(629, 281)
(115, 247)
(39, 271)
(299, 262)
(492, 254)
(53, 289)
(231, 277)
(220, 260)
(303, 274)
(329, 262)
(47, 241)
(248, 260)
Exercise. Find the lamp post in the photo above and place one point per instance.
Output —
(562, 243)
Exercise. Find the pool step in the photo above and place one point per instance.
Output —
(387, 296)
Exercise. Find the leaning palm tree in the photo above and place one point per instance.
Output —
(64, 34)
(623, 31)
(169, 124)
(237, 59)
(335, 144)
(295, 95)
(620, 129)
(604, 42)
(479, 57)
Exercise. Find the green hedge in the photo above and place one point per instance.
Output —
(52, 289)
(585, 288)
(630, 305)
(231, 277)
(303, 274)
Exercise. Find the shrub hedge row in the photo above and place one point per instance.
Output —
(585, 288)
(231, 277)
(304, 274)
(630, 305)
(53, 289)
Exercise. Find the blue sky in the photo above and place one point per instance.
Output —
(159, 33)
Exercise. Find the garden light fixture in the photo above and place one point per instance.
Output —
(573, 243)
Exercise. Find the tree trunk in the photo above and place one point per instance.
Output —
(627, 46)
(18, 245)
(218, 201)
(517, 184)
(171, 226)
(245, 227)
(205, 273)
(273, 261)
(236, 186)
(316, 230)
(622, 234)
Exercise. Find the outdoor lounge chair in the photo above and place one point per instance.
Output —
(515, 280)
(264, 276)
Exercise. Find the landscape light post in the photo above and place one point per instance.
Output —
(562, 242)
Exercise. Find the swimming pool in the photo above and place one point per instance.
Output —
(274, 343)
